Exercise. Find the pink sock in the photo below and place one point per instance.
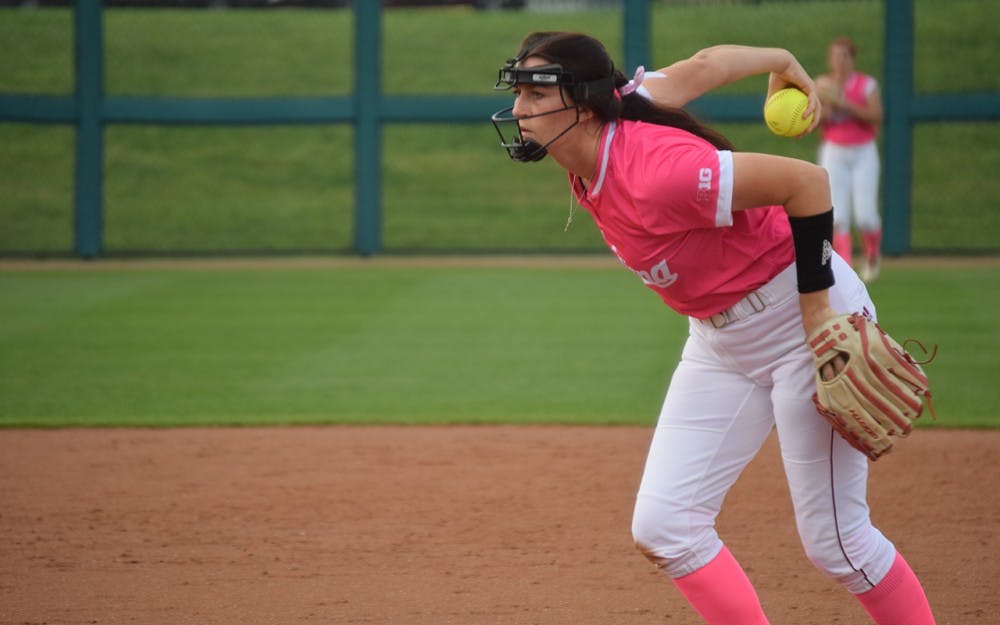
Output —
(842, 245)
(898, 599)
(721, 593)
(873, 244)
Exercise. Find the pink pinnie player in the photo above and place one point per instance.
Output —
(852, 114)
(741, 244)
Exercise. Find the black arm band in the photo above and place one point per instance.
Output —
(812, 237)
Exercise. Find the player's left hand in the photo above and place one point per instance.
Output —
(829, 92)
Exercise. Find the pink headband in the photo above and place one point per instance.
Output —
(633, 84)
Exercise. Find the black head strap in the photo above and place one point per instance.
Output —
(551, 75)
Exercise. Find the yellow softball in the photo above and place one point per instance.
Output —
(783, 112)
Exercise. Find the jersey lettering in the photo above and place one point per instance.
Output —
(658, 275)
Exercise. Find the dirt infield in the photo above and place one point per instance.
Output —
(435, 525)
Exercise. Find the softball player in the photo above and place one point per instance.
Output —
(740, 243)
(852, 113)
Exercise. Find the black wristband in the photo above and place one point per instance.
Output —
(812, 237)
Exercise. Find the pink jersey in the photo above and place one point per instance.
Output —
(843, 129)
(662, 199)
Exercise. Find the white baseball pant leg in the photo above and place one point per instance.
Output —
(854, 172)
(731, 387)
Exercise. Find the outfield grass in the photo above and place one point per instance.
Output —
(194, 190)
(399, 343)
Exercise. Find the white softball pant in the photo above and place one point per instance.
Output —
(731, 387)
(854, 179)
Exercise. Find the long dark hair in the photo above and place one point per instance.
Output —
(586, 59)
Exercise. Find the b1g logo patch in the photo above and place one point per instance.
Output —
(704, 184)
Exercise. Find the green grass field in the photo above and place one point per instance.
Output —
(240, 189)
(381, 343)
(404, 342)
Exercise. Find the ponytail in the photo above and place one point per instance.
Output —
(637, 107)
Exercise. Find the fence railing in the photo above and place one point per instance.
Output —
(90, 110)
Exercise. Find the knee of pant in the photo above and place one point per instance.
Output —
(675, 540)
(830, 561)
(852, 558)
(869, 223)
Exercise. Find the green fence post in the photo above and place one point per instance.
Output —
(636, 38)
(87, 217)
(898, 128)
(367, 128)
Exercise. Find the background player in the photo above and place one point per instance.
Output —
(739, 242)
(852, 114)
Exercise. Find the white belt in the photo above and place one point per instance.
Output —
(775, 291)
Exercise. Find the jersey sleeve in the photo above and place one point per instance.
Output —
(682, 183)
(871, 85)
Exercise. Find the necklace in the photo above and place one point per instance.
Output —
(572, 209)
